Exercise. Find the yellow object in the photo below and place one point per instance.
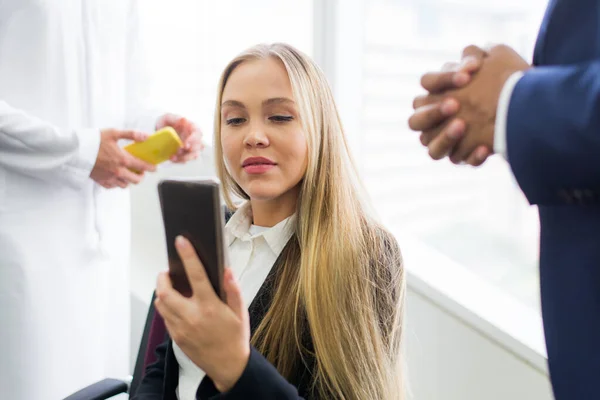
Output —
(159, 147)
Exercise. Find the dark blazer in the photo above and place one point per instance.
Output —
(553, 145)
(260, 380)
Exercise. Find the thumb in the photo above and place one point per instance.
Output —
(131, 135)
(470, 64)
(167, 120)
(472, 58)
(234, 294)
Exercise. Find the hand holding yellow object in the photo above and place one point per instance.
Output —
(159, 147)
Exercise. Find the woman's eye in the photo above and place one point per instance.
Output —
(235, 121)
(281, 118)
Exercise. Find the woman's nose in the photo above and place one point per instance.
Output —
(256, 138)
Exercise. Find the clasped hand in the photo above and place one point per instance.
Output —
(457, 116)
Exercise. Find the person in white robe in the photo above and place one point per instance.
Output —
(72, 86)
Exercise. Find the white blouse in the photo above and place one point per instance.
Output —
(252, 252)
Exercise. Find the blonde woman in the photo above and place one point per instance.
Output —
(324, 281)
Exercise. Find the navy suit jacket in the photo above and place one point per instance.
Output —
(553, 147)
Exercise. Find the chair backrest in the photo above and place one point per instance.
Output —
(154, 334)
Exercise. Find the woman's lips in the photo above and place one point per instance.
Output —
(257, 165)
(255, 169)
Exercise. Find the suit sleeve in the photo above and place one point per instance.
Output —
(151, 387)
(39, 149)
(553, 133)
(259, 381)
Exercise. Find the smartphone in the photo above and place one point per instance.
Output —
(159, 147)
(192, 208)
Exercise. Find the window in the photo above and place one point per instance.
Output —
(190, 42)
(477, 217)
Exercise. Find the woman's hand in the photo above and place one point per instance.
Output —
(213, 334)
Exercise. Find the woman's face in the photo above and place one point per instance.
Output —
(262, 138)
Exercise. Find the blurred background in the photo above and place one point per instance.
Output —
(469, 237)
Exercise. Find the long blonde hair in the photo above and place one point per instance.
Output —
(342, 278)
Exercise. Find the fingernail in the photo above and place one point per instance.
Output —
(455, 130)
(180, 242)
(469, 61)
(449, 107)
(460, 78)
(481, 154)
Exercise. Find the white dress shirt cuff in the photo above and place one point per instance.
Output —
(500, 146)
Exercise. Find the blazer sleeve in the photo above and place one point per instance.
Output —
(151, 386)
(259, 381)
(553, 133)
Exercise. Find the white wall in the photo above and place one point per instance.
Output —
(450, 360)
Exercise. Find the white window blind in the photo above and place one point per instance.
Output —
(478, 217)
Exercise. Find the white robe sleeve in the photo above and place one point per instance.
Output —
(39, 149)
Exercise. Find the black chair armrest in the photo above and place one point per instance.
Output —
(105, 389)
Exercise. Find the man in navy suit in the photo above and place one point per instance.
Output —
(545, 120)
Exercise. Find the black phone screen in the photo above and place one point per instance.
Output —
(192, 208)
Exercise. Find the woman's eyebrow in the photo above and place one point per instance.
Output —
(274, 100)
(233, 103)
(278, 100)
